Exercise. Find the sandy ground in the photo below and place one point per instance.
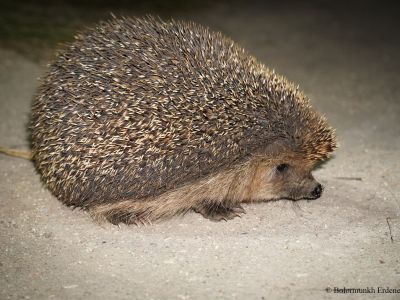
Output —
(348, 238)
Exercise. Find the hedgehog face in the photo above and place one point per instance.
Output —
(284, 179)
(295, 182)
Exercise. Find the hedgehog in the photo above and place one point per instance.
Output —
(140, 119)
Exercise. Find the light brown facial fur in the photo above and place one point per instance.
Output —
(283, 178)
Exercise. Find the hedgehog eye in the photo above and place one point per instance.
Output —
(282, 168)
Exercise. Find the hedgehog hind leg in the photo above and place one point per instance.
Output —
(218, 211)
(129, 212)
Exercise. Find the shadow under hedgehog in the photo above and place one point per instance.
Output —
(140, 119)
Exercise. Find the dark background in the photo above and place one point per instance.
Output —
(32, 27)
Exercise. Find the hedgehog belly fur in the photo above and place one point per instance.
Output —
(225, 190)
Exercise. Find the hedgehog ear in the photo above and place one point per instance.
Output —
(276, 147)
(297, 139)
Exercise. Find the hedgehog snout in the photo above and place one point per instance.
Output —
(317, 191)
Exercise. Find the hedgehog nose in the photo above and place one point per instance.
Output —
(317, 191)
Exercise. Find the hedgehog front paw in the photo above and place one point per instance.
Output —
(218, 211)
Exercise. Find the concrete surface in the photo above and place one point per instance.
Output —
(348, 64)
